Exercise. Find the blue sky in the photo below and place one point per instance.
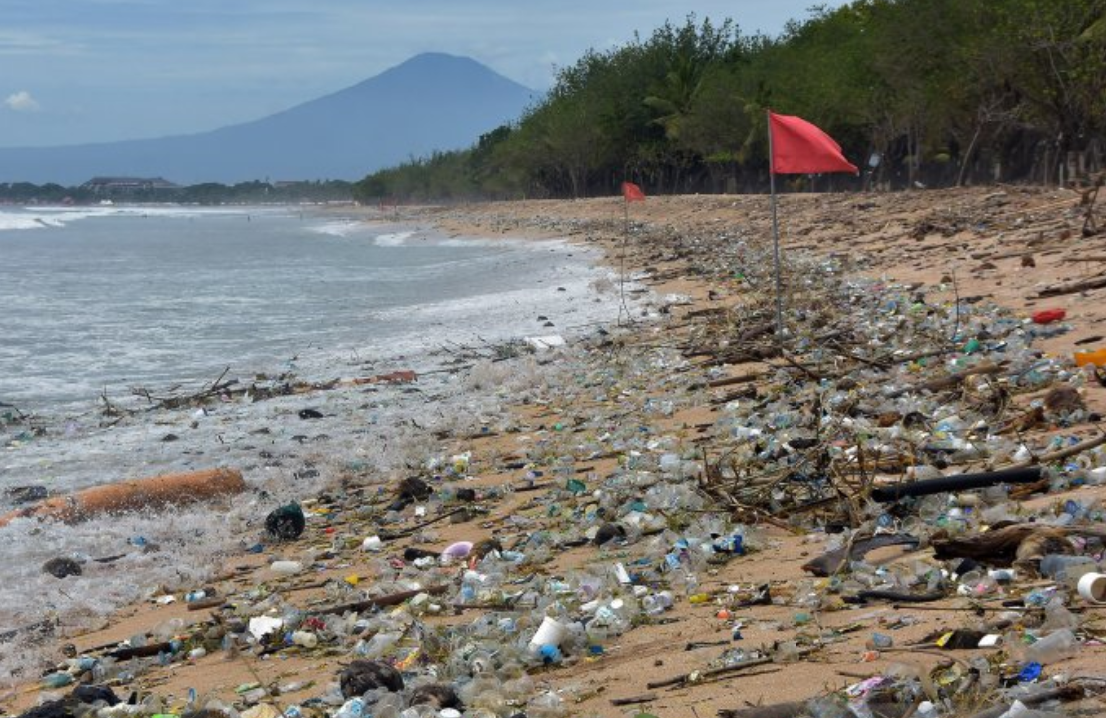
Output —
(74, 71)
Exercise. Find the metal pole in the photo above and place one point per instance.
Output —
(775, 234)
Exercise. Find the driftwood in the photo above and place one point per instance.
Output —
(778, 710)
(831, 562)
(948, 382)
(393, 599)
(151, 492)
(1072, 692)
(634, 700)
(1084, 285)
(1017, 542)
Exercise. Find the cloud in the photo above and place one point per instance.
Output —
(21, 102)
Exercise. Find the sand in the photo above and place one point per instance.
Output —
(1004, 244)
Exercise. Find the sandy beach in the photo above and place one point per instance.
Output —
(681, 428)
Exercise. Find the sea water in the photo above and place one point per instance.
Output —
(102, 307)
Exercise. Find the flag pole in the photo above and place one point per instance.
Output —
(622, 263)
(775, 231)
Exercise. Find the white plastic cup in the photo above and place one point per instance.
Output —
(286, 568)
(307, 639)
(1092, 587)
(550, 633)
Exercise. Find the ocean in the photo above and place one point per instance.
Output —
(104, 306)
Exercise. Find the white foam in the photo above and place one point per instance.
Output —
(393, 239)
(342, 228)
(46, 217)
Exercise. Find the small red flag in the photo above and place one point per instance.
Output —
(798, 147)
(632, 193)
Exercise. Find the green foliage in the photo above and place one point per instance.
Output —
(208, 193)
(943, 91)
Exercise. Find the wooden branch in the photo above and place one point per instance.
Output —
(947, 382)
(1085, 285)
(393, 599)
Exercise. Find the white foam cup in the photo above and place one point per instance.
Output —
(1092, 587)
(551, 632)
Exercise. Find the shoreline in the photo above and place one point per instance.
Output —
(638, 386)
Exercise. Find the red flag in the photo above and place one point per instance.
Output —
(632, 193)
(799, 147)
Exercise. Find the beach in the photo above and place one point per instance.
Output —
(679, 422)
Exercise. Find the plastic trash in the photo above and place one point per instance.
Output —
(286, 568)
(550, 633)
(1092, 587)
(1054, 647)
(1067, 568)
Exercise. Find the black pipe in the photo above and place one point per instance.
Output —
(961, 482)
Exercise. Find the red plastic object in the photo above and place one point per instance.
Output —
(1048, 316)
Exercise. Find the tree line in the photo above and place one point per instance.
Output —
(918, 93)
(206, 193)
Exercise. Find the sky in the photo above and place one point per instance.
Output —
(78, 71)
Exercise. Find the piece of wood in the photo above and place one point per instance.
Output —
(634, 700)
(1085, 285)
(137, 494)
(393, 599)
(948, 382)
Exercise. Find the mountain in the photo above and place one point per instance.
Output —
(431, 102)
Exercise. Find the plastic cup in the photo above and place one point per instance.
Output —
(550, 633)
(1092, 587)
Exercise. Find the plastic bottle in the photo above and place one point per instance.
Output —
(306, 639)
(1096, 357)
(1056, 646)
(1066, 568)
(353, 708)
(657, 603)
(286, 568)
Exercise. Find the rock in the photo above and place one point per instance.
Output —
(26, 494)
(608, 532)
(1063, 400)
(362, 676)
(286, 523)
(310, 414)
(92, 694)
(62, 567)
(438, 695)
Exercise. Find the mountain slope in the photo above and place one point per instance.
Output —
(430, 102)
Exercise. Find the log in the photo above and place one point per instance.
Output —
(137, 494)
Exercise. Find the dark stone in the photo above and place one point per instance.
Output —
(286, 523)
(92, 694)
(362, 676)
(438, 695)
(26, 494)
(608, 532)
(51, 709)
(62, 567)
(482, 548)
(410, 490)
(310, 414)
